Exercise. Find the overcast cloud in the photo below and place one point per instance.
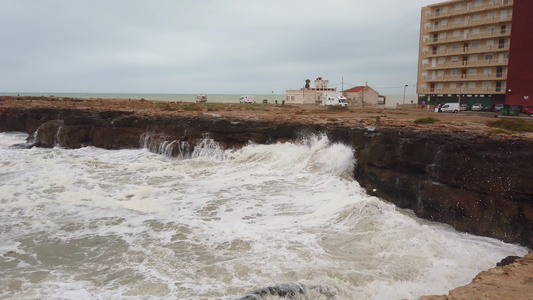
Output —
(206, 46)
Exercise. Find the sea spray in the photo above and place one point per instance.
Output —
(91, 223)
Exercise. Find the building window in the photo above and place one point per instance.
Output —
(487, 71)
(442, 60)
(440, 74)
(473, 57)
(453, 85)
(488, 56)
(455, 59)
(474, 44)
(456, 33)
(486, 84)
(499, 71)
(458, 6)
(471, 85)
(501, 44)
(502, 29)
(455, 46)
(437, 12)
(458, 20)
(491, 29)
(476, 17)
(436, 25)
(453, 72)
(476, 30)
(472, 71)
(435, 37)
(478, 3)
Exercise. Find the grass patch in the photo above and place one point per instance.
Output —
(428, 120)
(192, 107)
(333, 119)
(511, 125)
(499, 131)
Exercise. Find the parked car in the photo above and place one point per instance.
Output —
(478, 107)
(465, 107)
(498, 107)
(519, 107)
(528, 110)
(449, 107)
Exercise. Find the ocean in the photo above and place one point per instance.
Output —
(91, 223)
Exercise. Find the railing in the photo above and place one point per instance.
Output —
(468, 50)
(468, 64)
(464, 90)
(468, 37)
(470, 9)
(467, 23)
(465, 77)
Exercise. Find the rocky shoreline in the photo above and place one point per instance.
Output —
(455, 171)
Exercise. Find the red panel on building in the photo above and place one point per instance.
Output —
(520, 72)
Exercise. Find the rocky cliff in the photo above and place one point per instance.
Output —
(478, 184)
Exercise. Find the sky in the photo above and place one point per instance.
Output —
(207, 46)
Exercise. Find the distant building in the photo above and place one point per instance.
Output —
(466, 53)
(363, 96)
(308, 95)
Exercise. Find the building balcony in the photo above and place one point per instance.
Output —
(463, 90)
(467, 64)
(465, 77)
(467, 37)
(469, 9)
(467, 50)
(468, 23)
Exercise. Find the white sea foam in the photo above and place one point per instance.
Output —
(97, 224)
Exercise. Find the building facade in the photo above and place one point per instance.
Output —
(466, 53)
(362, 96)
(309, 95)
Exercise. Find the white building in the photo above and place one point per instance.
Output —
(308, 95)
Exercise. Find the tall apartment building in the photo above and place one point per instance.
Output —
(466, 52)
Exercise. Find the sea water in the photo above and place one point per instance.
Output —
(91, 223)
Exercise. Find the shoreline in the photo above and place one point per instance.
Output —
(467, 124)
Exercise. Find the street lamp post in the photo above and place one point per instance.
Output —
(459, 97)
(404, 93)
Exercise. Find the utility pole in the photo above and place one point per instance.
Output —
(404, 93)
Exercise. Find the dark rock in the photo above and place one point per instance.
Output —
(478, 184)
(507, 261)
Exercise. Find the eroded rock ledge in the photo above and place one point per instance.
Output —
(478, 184)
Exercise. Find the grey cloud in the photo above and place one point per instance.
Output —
(208, 46)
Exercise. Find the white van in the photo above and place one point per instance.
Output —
(448, 107)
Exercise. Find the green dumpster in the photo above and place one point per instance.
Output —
(510, 112)
(504, 111)
(283, 102)
(514, 112)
